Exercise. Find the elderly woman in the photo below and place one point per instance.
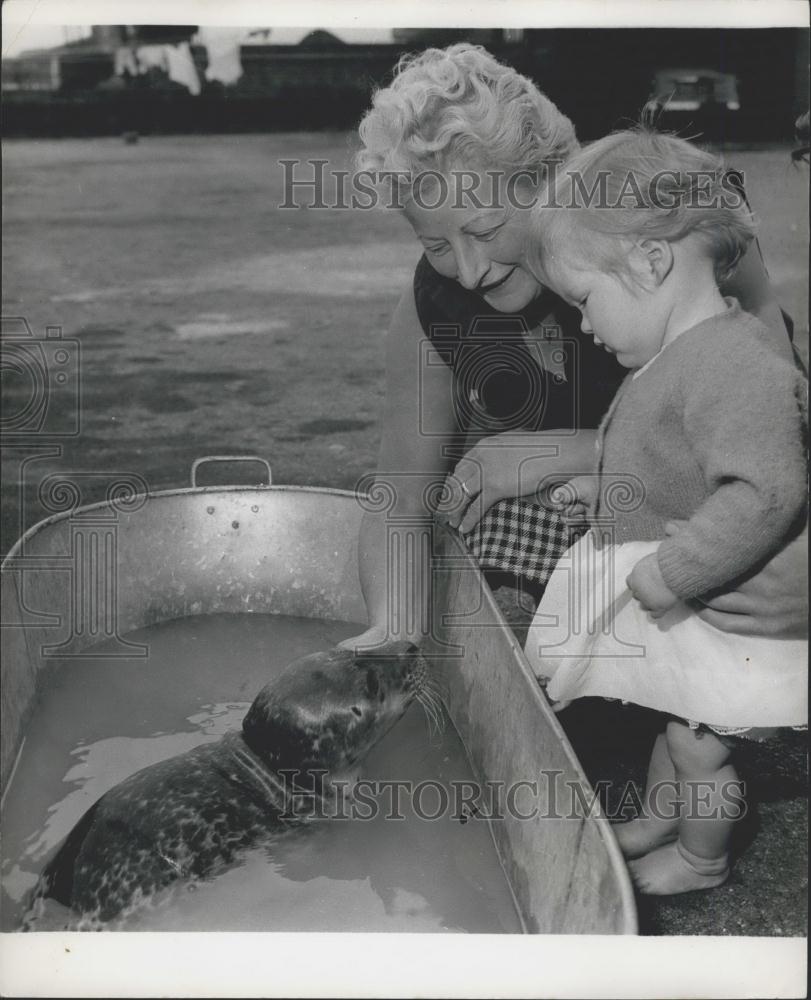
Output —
(488, 375)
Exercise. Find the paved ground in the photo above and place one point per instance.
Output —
(210, 321)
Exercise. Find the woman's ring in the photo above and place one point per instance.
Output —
(466, 491)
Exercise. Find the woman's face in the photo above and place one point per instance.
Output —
(481, 248)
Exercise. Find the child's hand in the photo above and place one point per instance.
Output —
(649, 588)
(575, 498)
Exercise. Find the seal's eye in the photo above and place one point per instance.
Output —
(372, 683)
(357, 711)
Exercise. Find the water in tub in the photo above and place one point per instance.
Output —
(101, 719)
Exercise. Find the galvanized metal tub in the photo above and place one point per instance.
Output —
(98, 572)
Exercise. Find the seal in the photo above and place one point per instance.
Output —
(189, 817)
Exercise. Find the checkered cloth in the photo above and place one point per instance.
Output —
(521, 538)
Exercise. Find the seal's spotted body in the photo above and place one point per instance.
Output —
(189, 817)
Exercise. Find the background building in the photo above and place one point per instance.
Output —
(142, 77)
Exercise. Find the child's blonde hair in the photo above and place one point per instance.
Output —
(636, 185)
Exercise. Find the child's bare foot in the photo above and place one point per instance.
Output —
(641, 836)
(672, 869)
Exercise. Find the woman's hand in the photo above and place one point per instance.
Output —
(489, 472)
(513, 465)
(372, 638)
(772, 602)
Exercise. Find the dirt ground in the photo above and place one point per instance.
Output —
(209, 320)
(202, 318)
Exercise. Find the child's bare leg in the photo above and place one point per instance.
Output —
(712, 801)
(660, 820)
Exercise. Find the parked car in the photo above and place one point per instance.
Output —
(693, 90)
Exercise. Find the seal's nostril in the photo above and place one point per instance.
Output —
(357, 711)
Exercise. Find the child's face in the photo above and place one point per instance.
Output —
(628, 318)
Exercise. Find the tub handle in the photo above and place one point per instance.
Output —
(228, 458)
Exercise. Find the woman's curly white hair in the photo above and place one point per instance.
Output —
(460, 108)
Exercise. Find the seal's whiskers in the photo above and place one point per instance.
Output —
(432, 707)
(428, 694)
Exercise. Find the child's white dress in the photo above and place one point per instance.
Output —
(590, 636)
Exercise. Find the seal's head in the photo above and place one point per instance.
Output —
(325, 711)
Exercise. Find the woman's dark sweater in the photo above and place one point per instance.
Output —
(500, 382)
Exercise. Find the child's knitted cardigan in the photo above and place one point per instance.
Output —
(713, 431)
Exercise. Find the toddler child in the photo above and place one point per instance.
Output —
(700, 478)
